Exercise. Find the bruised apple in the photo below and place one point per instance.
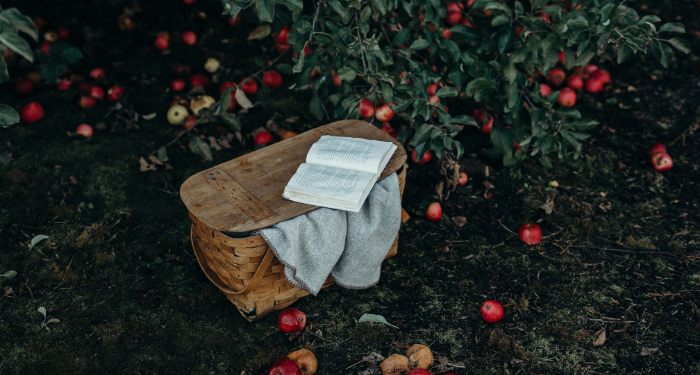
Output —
(306, 360)
(395, 364)
(419, 356)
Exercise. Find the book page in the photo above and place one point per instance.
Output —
(328, 182)
(349, 153)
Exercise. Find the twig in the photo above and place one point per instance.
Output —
(635, 251)
(362, 49)
(313, 24)
(499, 222)
(393, 48)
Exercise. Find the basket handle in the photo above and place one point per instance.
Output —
(259, 273)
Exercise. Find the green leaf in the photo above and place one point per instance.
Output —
(680, 44)
(199, 147)
(513, 94)
(464, 119)
(299, 65)
(577, 22)
(163, 154)
(233, 7)
(284, 69)
(315, 107)
(37, 239)
(260, 32)
(366, 14)
(224, 101)
(673, 27)
(387, 93)
(346, 74)
(447, 92)
(419, 44)
(662, 52)
(8, 115)
(502, 140)
(338, 7)
(20, 22)
(265, 9)
(231, 121)
(4, 75)
(11, 39)
(585, 58)
(650, 19)
(624, 54)
(500, 20)
(293, 5)
(401, 37)
(381, 5)
(502, 7)
(466, 31)
(510, 72)
(460, 149)
(374, 319)
(422, 134)
(480, 88)
(9, 274)
(568, 113)
(544, 160)
(571, 139)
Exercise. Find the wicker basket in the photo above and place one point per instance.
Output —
(245, 269)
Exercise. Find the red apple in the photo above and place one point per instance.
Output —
(386, 128)
(63, 85)
(45, 47)
(162, 41)
(491, 311)
(281, 36)
(455, 7)
(419, 371)
(561, 57)
(366, 108)
(336, 80)
(85, 130)
(87, 102)
(434, 211)
(115, 93)
(234, 21)
(98, 74)
(97, 92)
(307, 50)
(272, 79)
(454, 18)
(530, 233)
(594, 86)
(432, 89)
(662, 162)
(189, 38)
(575, 82)
(601, 74)
(177, 84)
(31, 112)
(545, 90)
(284, 366)
(519, 30)
(658, 148)
(290, 319)
(556, 77)
(199, 79)
(426, 157)
(63, 33)
(281, 47)
(189, 2)
(384, 113)
(250, 87)
(262, 138)
(182, 70)
(590, 69)
(486, 128)
(567, 97)
(189, 122)
(22, 87)
(462, 178)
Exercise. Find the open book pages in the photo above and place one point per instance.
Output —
(339, 172)
(351, 153)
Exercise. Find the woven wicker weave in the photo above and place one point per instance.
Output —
(248, 272)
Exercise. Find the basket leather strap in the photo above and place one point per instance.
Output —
(259, 273)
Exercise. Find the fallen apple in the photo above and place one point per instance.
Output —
(115, 93)
(658, 148)
(434, 212)
(84, 130)
(200, 102)
(63, 85)
(176, 114)
(662, 162)
(97, 92)
(162, 41)
(420, 356)
(182, 70)
(530, 233)
(211, 65)
(462, 178)
(306, 360)
(98, 74)
(284, 366)
(262, 138)
(87, 102)
(395, 364)
(31, 112)
(290, 319)
(419, 371)
(189, 38)
(491, 311)
(189, 122)
(177, 84)
(199, 79)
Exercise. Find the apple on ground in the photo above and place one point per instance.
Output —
(395, 364)
(162, 41)
(426, 157)
(250, 87)
(462, 178)
(420, 356)
(189, 122)
(97, 92)
(189, 38)
(284, 366)
(434, 211)
(491, 311)
(115, 93)
(272, 79)
(662, 162)
(177, 85)
(85, 130)
(87, 102)
(211, 65)
(31, 112)
(199, 79)
(384, 113)
(306, 360)
(200, 102)
(45, 47)
(419, 371)
(567, 97)
(63, 33)
(262, 138)
(658, 148)
(290, 319)
(98, 74)
(530, 233)
(176, 114)
(594, 86)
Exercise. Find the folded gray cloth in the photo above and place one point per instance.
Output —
(349, 246)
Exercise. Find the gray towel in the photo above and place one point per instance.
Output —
(349, 246)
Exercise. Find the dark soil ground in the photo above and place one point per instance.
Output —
(620, 252)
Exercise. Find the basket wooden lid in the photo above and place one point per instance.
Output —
(245, 194)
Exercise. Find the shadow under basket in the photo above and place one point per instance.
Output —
(237, 198)
(248, 272)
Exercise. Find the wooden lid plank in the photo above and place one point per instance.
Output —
(245, 194)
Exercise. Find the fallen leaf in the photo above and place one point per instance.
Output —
(553, 183)
(37, 239)
(599, 337)
(260, 32)
(224, 143)
(648, 351)
(489, 185)
(548, 206)
(631, 88)
(213, 144)
(459, 220)
(438, 189)
(9, 274)
(145, 166)
(374, 319)
(7, 291)
(42, 310)
(149, 116)
(154, 159)
(242, 99)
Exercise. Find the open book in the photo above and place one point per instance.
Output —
(339, 172)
